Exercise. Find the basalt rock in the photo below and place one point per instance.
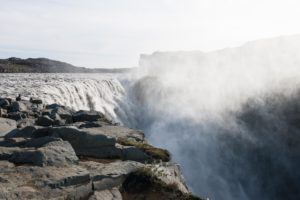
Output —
(6, 125)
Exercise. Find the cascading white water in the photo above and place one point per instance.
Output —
(78, 91)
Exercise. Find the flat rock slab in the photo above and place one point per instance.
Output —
(49, 182)
(109, 175)
(7, 125)
(77, 137)
(117, 132)
(55, 153)
(83, 115)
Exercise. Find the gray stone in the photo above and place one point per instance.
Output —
(63, 113)
(39, 142)
(77, 137)
(133, 153)
(33, 182)
(54, 106)
(25, 122)
(12, 142)
(16, 115)
(4, 102)
(25, 132)
(7, 125)
(44, 121)
(6, 153)
(18, 106)
(59, 154)
(36, 101)
(82, 116)
(109, 175)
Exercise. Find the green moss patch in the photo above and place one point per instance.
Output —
(155, 153)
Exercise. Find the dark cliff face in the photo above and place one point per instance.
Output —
(44, 65)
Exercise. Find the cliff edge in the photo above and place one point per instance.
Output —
(54, 152)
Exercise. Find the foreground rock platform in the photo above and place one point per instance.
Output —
(54, 152)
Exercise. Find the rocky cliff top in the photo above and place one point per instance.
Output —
(54, 152)
(45, 65)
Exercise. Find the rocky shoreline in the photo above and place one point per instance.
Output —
(54, 152)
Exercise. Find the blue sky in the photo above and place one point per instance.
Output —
(113, 33)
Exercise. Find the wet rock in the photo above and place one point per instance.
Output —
(54, 106)
(25, 132)
(36, 100)
(63, 113)
(18, 106)
(82, 116)
(44, 121)
(4, 102)
(16, 115)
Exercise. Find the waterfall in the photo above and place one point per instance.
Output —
(78, 91)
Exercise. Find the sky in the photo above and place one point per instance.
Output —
(113, 33)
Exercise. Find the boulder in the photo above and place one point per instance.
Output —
(39, 142)
(25, 122)
(94, 124)
(18, 106)
(12, 142)
(63, 113)
(16, 115)
(25, 132)
(55, 153)
(133, 153)
(44, 121)
(36, 100)
(7, 125)
(82, 116)
(57, 120)
(4, 102)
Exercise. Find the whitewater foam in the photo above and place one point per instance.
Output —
(78, 91)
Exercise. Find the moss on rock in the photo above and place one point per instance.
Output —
(155, 153)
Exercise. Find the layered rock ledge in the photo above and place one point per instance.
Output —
(54, 152)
